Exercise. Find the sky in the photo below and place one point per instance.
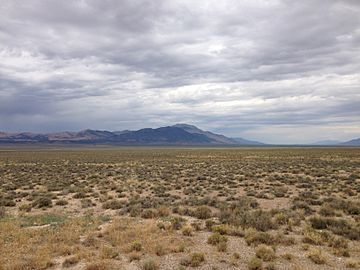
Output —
(277, 71)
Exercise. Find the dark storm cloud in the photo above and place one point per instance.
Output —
(256, 68)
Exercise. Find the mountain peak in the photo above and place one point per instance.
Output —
(221, 139)
(187, 127)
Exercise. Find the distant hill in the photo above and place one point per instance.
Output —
(354, 142)
(327, 142)
(179, 134)
(247, 142)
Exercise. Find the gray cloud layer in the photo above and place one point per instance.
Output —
(277, 71)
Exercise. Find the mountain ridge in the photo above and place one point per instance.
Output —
(195, 130)
(178, 134)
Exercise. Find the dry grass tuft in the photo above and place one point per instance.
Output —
(35, 248)
(145, 235)
(316, 256)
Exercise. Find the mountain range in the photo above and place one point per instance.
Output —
(327, 142)
(355, 142)
(179, 134)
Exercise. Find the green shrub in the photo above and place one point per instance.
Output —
(177, 222)
(160, 250)
(255, 264)
(315, 237)
(270, 266)
(222, 246)
(216, 238)
(2, 212)
(327, 211)
(254, 237)
(203, 212)
(288, 256)
(149, 213)
(209, 223)
(25, 207)
(197, 259)
(80, 195)
(281, 218)
(163, 211)
(221, 229)
(187, 230)
(7, 202)
(86, 203)
(338, 242)
(97, 266)
(351, 263)
(113, 204)
(134, 256)
(150, 265)
(136, 246)
(265, 253)
(258, 219)
(316, 256)
(43, 202)
(108, 252)
(71, 261)
(337, 226)
(347, 206)
(61, 202)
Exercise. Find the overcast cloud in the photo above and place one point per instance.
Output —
(277, 71)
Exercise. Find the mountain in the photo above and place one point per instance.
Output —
(121, 132)
(22, 137)
(247, 142)
(216, 137)
(354, 142)
(166, 135)
(179, 134)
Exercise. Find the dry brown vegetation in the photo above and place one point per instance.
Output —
(143, 208)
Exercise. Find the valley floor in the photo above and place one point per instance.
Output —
(160, 208)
